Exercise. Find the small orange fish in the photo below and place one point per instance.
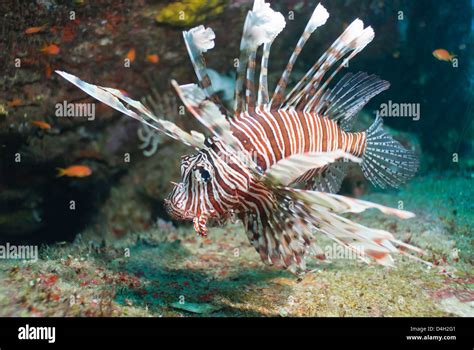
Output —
(34, 30)
(443, 55)
(153, 58)
(15, 102)
(75, 171)
(131, 55)
(50, 49)
(41, 124)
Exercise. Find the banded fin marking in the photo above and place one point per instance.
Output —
(349, 96)
(386, 161)
(342, 204)
(280, 240)
(112, 97)
(239, 101)
(249, 82)
(208, 114)
(318, 18)
(263, 79)
(357, 45)
(262, 25)
(199, 40)
(320, 210)
(306, 91)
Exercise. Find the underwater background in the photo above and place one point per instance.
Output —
(106, 245)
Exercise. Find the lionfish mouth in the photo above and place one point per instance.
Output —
(175, 212)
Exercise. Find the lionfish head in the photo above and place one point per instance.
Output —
(193, 195)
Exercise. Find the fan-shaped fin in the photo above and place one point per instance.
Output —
(349, 96)
(385, 160)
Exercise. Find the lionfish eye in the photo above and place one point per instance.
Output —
(204, 175)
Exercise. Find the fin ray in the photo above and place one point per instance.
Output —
(112, 98)
(386, 161)
(349, 96)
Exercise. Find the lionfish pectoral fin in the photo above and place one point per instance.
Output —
(280, 239)
(321, 211)
(288, 170)
(385, 161)
(113, 97)
(348, 97)
(327, 179)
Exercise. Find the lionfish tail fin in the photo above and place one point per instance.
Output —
(385, 161)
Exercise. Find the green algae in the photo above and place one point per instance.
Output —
(189, 12)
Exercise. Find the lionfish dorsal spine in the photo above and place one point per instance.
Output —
(263, 97)
(318, 19)
(197, 41)
(354, 38)
(262, 25)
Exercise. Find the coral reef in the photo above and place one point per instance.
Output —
(156, 263)
(168, 271)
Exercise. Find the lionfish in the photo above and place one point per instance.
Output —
(276, 163)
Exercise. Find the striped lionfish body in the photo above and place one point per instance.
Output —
(276, 163)
(276, 134)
